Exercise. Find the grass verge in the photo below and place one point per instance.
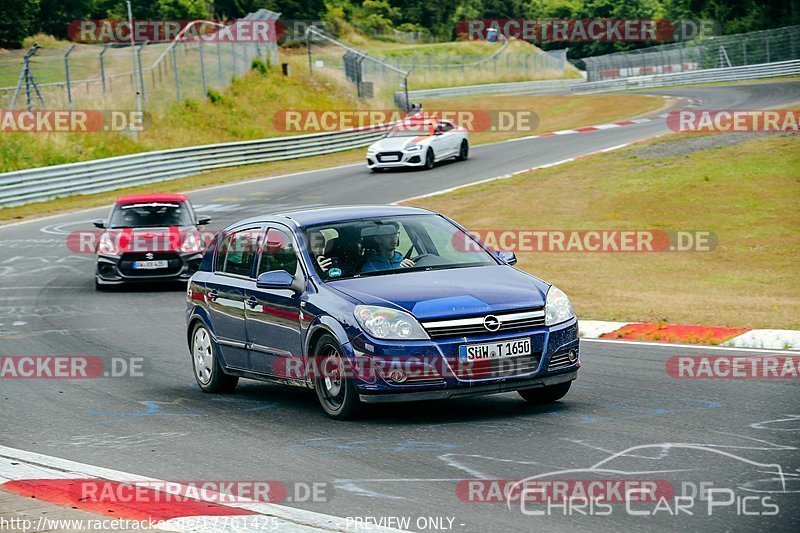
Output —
(746, 192)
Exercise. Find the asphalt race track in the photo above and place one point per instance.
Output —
(401, 460)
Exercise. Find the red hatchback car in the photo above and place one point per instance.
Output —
(149, 238)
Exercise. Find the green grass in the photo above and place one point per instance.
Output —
(747, 194)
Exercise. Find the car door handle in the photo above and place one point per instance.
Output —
(252, 301)
(213, 295)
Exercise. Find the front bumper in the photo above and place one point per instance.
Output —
(117, 270)
(433, 369)
(478, 390)
(414, 158)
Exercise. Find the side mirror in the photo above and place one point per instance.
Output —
(99, 223)
(510, 258)
(202, 221)
(275, 279)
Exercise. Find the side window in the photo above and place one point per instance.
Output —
(446, 126)
(238, 251)
(278, 253)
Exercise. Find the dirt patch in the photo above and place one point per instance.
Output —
(688, 144)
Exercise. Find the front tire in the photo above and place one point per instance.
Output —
(463, 152)
(335, 390)
(205, 363)
(430, 160)
(548, 394)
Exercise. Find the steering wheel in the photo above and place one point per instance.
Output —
(421, 257)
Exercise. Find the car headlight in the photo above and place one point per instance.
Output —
(371, 150)
(414, 148)
(557, 308)
(107, 245)
(191, 244)
(390, 324)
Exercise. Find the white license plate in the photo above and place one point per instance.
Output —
(149, 265)
(388, 158)
(494, 350)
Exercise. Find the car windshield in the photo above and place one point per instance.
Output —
(391, 245)
(151, 215)
(411, 129)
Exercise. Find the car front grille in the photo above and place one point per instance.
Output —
(463, 327)
(496, 368)
(383, 155)
(174, 263)
(560, 360)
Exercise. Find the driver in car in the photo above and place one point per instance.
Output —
(386, 256)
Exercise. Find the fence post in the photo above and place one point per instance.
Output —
(219, 62)
(141, 74)
(66, 68)
(767, 43)
(102, 66)
(202, 70)
(175, 71)
(744, 51)
(233, 52)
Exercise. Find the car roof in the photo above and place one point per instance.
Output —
(323, 215)
(158, 197)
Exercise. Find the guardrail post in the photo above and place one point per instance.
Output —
(66, 68)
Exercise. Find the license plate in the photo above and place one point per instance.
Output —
(388, 158)
(149, 265)
(494, 350)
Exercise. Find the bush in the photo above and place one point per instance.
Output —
(260, 66)
(214, 97)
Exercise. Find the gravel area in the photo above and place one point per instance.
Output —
(686, 144)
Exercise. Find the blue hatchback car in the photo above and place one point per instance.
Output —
(373, 304)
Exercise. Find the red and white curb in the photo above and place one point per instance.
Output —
(768, 339)
(607, 126)
(54, 480)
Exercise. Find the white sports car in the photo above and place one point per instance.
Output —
(415, 144)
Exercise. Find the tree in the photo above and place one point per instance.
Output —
(19, 20)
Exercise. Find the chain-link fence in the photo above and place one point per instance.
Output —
(752, 48)
(380, 74)
(110, 75)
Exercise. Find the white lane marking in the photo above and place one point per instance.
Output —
(692, 346)
(289, 518)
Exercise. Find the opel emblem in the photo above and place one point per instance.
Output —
(491, 323)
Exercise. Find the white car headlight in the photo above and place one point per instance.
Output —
(390, 324)
(371, 150)
(414, 148)
(557, 308)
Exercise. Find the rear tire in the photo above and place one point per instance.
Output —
(336, 393)
(463, 152)
(430, 160)
(205, 363)
(548, 394)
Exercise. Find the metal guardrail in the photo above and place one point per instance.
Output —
(743, 73)
(100, 175)
(520, 87)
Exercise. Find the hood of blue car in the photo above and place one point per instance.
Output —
(449, 293)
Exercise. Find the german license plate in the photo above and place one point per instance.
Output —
(149, 265)
(494, 350)
(389, 158)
